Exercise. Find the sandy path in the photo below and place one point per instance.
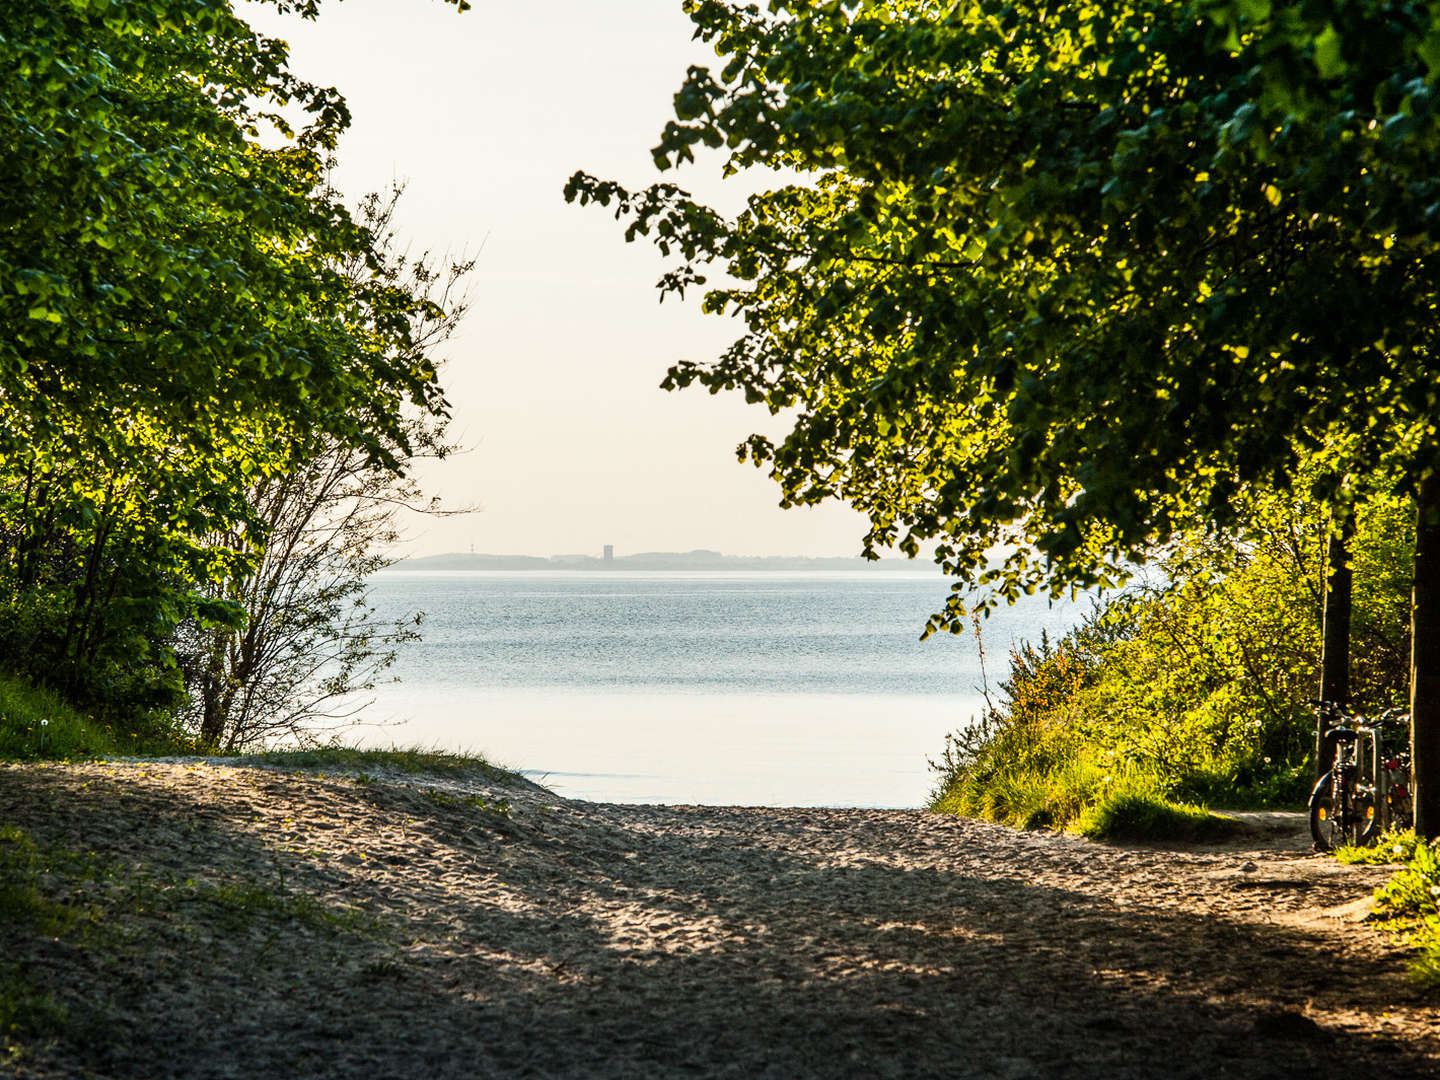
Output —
(569, 939)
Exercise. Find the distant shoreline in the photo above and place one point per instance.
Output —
(655, 560)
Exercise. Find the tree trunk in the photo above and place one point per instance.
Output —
(1335, 640)
(216, 691)
(1425, 663)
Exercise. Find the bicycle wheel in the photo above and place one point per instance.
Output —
(1325, 815)
(1364, 815)
(1342, 812)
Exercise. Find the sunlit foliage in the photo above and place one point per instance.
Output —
(1059, 279)
(1192, 684)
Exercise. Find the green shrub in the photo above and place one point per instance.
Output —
(36, 724)
(1018, 762)
(1192, 686)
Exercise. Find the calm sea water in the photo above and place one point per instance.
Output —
(805, 689)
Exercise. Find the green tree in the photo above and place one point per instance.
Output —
(310, 645)
(1063, 279)
(175, 325)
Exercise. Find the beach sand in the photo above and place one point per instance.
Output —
(240, 921)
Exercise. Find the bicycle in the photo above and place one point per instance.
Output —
(1367, 788)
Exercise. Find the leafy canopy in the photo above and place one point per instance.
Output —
(156, 262)
(1059, 279)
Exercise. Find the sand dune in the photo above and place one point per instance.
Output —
(231, 922)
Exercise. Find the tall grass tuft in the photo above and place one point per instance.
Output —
(412, 760)
(1135, 809)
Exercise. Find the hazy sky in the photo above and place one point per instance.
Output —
(554, 375)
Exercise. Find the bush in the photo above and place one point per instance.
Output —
(1192, 685)
(36, 724)
(1020, 761)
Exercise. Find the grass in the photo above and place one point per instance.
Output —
(412, 760)
(1256, 787)
(475, 802)
(1065, 792)
(1130, 812)
(1390, 846)
(236, 906)
(21, 901)
(1409, 903)
(28, 1012)
(38, 725)
(27, 871)
(111, 913)
(104, 916)
(1414, 891)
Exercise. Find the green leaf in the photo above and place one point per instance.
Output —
(1327, 54)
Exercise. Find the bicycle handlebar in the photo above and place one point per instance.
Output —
(1358, 719)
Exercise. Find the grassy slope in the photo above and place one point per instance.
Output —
(1114, 804)
(36, 725)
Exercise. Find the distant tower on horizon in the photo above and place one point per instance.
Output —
(609, 552)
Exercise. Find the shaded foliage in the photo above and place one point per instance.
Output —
(1069, 280)
(310, 645)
